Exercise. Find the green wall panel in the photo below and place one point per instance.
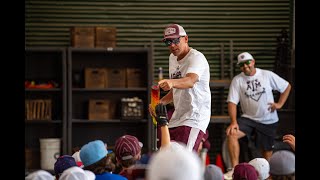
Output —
(251, 25)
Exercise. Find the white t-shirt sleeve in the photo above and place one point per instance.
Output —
(277, 82)
(197, 65)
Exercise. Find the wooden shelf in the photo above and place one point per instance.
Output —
(42, 90)
(108, 89)
(109, 121)
(43, 121)
(220, 83)
(220, 119)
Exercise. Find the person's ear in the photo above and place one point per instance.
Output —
(139, 157)
(118, 161)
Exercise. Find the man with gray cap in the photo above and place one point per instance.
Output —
(188, 88)
(253, 88)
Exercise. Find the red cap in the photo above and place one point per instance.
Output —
(127, 147)
(245, 171)
(173, 31)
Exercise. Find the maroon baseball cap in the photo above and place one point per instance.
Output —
(127, 147)
(173, 31)
(245, 171)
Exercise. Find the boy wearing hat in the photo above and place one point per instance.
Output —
(262, 167)
(245, 171)
(39, 174)
(213, 172)
(128, 152)
(63, 162)
(94, 158)
(253, 89)
(283, 165)
(77, 173)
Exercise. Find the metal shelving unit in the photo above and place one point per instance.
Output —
(45, 64)
(80, 128)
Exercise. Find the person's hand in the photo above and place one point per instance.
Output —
(161, 112)
(290, 139)
(273, 106)
(165, 84)
(232, 129)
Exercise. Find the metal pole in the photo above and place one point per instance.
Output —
(221, 61)
(231, 59)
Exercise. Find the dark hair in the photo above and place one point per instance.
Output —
(128, 163)
(283, 177)
(103, 165)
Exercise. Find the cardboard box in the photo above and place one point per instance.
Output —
(105, 37)
(134, 77)
(83, 37)
(116, 78)
(95, 78)
(101, 109)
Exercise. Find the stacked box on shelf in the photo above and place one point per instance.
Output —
(83, 37)
(134, 77)
(105, 37)
(101, 109)
(96, 78)
(116, 78)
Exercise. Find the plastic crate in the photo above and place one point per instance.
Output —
(131, 108)
(38, 109)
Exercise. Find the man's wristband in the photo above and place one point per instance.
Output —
(162, 121)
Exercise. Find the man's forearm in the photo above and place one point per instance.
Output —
(284, 96)
(167, 98)
(185, 82)
(232, 110)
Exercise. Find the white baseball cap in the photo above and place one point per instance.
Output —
(171, 163)
(245, 56)
(77, 173)
(40, 175)
(262, 166)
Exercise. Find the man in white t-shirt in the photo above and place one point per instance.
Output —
(188, 88)
(253, 88)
